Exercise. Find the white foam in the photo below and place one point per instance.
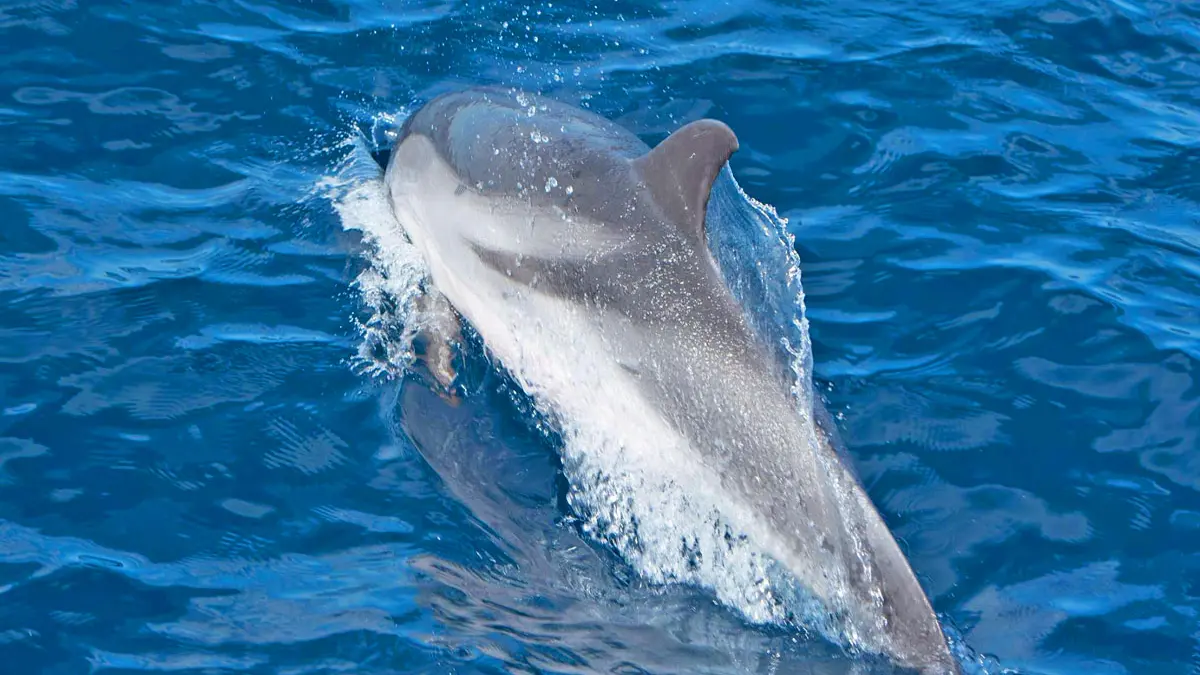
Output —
(391, 283)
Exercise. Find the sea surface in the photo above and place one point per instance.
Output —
(218, 455)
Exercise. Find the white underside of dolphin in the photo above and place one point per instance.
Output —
(577, 262)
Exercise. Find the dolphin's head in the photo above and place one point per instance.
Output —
(552, 195)
(524, 178)
(512, 179)
(508, 145)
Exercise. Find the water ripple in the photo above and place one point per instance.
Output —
(995, 208)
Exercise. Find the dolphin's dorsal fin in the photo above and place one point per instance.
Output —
(680, 171)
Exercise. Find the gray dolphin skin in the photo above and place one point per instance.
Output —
(579, 256)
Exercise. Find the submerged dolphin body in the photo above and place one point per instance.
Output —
(579, 255)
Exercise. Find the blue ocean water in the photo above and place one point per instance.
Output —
(212, 461)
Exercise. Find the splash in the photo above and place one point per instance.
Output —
(392, 281)
(757, 257)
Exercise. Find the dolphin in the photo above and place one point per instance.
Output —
(579, 256)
